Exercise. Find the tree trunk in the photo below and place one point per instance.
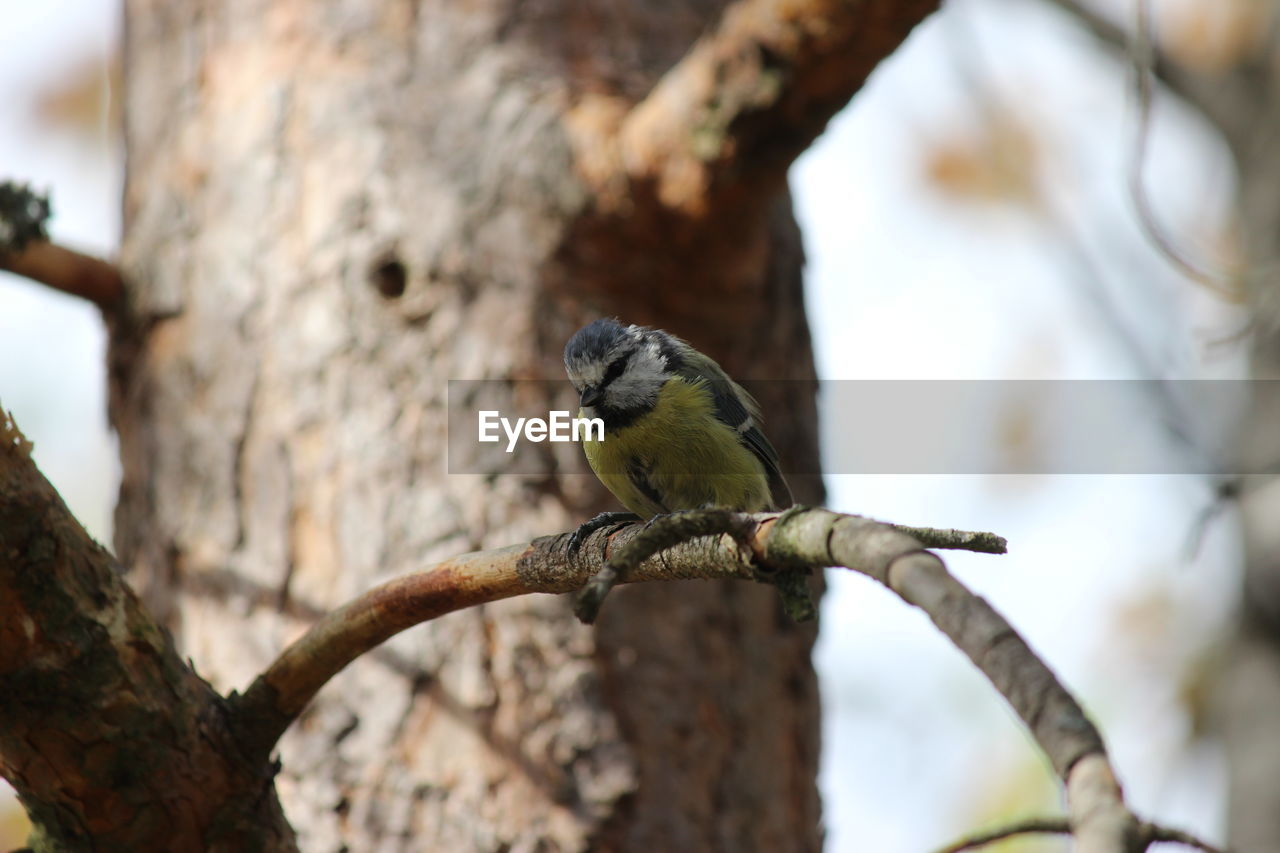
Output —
(333, 209)
(1248, 698)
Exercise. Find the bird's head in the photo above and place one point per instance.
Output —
(620, 369)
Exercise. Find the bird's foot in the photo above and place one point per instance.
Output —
(604, 519)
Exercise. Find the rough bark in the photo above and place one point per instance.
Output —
(110, 740)
(332, 209)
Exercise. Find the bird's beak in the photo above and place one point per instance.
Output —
(590, 396)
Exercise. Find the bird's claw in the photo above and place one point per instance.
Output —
(604, 519)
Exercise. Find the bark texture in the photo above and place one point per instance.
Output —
(331, 210)
(110, 740)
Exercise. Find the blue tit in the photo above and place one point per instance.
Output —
(678, 432)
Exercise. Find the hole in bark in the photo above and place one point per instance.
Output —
(389, 276)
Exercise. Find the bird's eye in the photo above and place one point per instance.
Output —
(613, 371)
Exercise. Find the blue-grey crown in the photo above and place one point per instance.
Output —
(593, 341)
(601, 338)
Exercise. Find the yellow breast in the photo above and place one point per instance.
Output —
(679, 456)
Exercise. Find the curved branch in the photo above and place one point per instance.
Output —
(1055, 719)
(280, 693)
(798, 540)
(1099, 819)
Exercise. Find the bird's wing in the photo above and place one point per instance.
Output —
(740, 411)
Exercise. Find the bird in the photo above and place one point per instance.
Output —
(679, 434)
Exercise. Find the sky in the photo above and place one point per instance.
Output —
(966, 218)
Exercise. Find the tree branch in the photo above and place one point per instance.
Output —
(277, 696)
(799, 540)
(822, 538)
(659, 534)
(746, 100)
(1100, 821)
(25, 250)
(109, 739)
(1148, 833)
(954, 540)
(67, 270)
(1196, 92)
(666, 532)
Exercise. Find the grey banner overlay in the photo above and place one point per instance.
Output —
(930, 426)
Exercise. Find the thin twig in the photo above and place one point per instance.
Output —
(1148, 63)
(1148, 833)
(1153, 833)
(1047, 825)
(1112, 35)
(1142, 51)
(962, 540)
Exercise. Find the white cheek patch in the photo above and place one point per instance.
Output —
(639, 384)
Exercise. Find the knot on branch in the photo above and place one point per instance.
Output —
(23, 215)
